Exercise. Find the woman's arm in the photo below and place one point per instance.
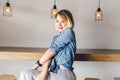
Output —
(46, 57)
(46, 60)
(46, 67)
(43, 75)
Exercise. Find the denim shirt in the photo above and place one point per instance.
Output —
(64, 47)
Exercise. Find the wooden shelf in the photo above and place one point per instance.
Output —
(97, 55)
(18, 53)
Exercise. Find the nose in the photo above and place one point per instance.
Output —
(59, 23)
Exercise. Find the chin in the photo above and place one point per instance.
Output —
(60, 30)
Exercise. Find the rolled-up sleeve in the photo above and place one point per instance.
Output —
(61, 42)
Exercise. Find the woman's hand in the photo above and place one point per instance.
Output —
(35, 67)
(44, 74)
(41, 76)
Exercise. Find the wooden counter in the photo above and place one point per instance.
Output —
(97, 55)
(17, 53)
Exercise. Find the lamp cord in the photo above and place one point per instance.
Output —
(99, 4)
(8, 1)
(54, 2)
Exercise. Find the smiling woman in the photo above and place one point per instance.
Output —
(58, 59)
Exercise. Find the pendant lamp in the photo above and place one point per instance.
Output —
(98, 13)
(54, 10)
(7, 9)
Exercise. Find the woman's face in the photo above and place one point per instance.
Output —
(60, 23)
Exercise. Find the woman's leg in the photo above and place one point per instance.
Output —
(29, 74)
(63, 75)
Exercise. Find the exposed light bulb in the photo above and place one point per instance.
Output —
(54, 11)
(98, 15)
(7, 9)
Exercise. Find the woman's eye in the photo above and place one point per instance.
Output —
(63, 21)
(57, 21)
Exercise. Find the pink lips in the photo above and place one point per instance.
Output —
(60, 27)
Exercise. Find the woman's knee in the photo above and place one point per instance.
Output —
(26, 72)
(26, 75)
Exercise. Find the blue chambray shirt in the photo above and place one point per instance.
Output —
(64, 48)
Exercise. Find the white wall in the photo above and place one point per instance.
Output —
(31, 25)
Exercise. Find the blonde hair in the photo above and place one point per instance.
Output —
(67, 16)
